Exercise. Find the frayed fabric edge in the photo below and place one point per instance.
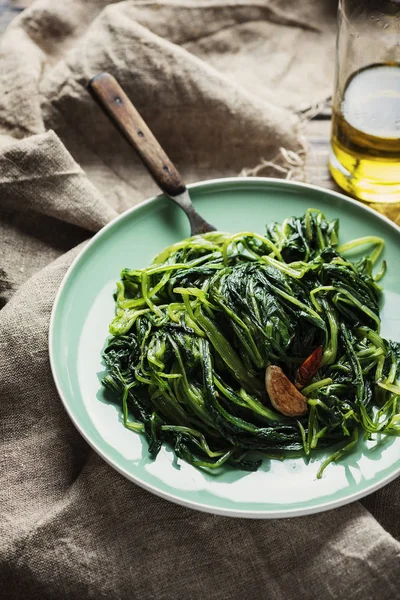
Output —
(289, 164)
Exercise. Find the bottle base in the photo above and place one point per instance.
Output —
(360, 186)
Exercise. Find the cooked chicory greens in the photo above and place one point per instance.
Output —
(195, 331)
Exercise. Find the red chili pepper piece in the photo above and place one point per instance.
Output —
(309, 367)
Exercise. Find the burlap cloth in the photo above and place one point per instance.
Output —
(218, 83)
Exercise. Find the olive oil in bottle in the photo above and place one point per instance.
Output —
(365, 157)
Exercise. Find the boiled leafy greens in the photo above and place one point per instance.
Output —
(195, 331)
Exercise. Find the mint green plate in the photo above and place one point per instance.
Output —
(79, 327)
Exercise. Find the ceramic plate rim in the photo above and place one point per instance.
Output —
(227, 512)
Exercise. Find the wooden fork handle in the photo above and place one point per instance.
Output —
(117, 106)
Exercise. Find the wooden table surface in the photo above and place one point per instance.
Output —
(317, 131)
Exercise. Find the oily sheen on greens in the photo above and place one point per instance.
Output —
(195, 331)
